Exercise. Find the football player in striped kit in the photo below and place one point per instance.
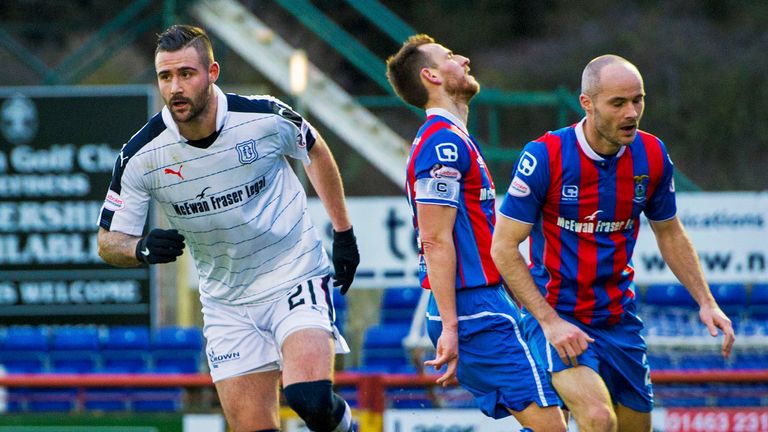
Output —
(215, 164)
(472, 321)
(579, 192)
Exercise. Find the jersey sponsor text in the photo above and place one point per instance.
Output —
(216, 202)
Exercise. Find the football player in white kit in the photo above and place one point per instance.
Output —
(215, 165)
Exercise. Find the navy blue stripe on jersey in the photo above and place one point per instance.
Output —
(154, 127)
(237, 103)
(150, 131)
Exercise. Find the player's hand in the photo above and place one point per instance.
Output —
(714, 318)
(569, 341)
(345, 259)
(446, 353)
(160, 246)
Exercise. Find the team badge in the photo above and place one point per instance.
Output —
(641, 185)
(246, 151)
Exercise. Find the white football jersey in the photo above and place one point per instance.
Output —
(237, 201)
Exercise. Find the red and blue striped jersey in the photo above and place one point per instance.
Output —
(446, 167)
(585, 212)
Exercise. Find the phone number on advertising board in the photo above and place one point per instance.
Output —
(737, 420)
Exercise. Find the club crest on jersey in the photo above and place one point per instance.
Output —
(246, 151)
(641, 185)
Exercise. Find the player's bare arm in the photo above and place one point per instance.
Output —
(568, 340)
(678, 252)
(436, 235)
(117, 248)
(324, 175)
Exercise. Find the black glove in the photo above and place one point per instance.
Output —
(345, 259)
(160, 246)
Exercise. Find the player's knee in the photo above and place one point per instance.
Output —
(600, 418)
(316, 404)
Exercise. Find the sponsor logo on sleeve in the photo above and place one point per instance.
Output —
(518, 188)
(527, 164)
(447, 152)
(442, 171)
(113, 202)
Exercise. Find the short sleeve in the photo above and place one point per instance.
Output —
(297, 136)
(662, 205)
(127, 201)
(528, 188)
(440, 166)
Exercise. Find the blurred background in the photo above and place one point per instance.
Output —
(78, 80)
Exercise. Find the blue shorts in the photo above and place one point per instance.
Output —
(618, 355)
(495, 362)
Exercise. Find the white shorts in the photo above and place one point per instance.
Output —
(247, 338)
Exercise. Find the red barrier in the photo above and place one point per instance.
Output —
(106, 380)
(371, 387)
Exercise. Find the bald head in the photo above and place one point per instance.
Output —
(591, 78)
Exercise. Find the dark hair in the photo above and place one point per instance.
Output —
(404, 67)
(179, 36)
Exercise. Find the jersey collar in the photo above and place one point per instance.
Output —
(447, 114)
(221, 114)
(582, 139)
